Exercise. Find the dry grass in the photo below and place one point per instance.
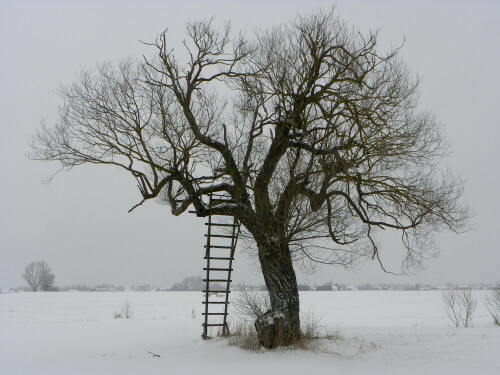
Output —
(124, 311)
(244, 335)
(310, 325)
(250, 305)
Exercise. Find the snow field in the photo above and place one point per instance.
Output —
(372, 332)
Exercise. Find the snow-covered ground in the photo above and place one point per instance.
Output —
(376, 332)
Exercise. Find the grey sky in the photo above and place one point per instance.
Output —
(79, 223)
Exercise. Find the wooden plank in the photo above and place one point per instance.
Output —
(220, 225)
(217, 291)
(213, 313)
(219, 236)
(216, 280)
(218, 269)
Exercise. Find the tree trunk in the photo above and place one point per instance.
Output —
(279, 326)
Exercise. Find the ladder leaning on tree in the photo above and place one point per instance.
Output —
(222, 237)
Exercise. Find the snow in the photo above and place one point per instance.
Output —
(373, 332)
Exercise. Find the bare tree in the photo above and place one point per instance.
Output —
(313, 133)
(459, 305)
(47, 280)
(38, 276)
(468, 304)
(451, 306)
(492, 302)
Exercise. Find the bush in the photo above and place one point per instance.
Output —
(459, 305)
(468, 304)
(451, 307)
(492, 302)
(125, 311)
(251, 305)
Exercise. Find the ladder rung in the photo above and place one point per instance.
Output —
(213, 313)
(222, 225)
(214, 324)
(218, 258)
(219, 247)
(219, 235)
(217, 269)
(217, 291)
(215, 302)
(217, 280)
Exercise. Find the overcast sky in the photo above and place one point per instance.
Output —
(79, 222)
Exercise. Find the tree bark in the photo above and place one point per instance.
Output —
(279, 326)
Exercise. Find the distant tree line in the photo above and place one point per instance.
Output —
(38, 276)
(195, 283)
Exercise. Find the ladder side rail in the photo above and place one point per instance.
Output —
(234, 239)
(207, 255)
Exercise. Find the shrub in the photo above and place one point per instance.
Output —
(468, 304)
(125, 311)
(251, 305)
(459, 305)
(492, 302)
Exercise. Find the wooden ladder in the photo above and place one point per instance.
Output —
(219, 253)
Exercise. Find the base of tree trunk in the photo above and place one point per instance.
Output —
(273, 331)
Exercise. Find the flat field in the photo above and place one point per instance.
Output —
(372, 332)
